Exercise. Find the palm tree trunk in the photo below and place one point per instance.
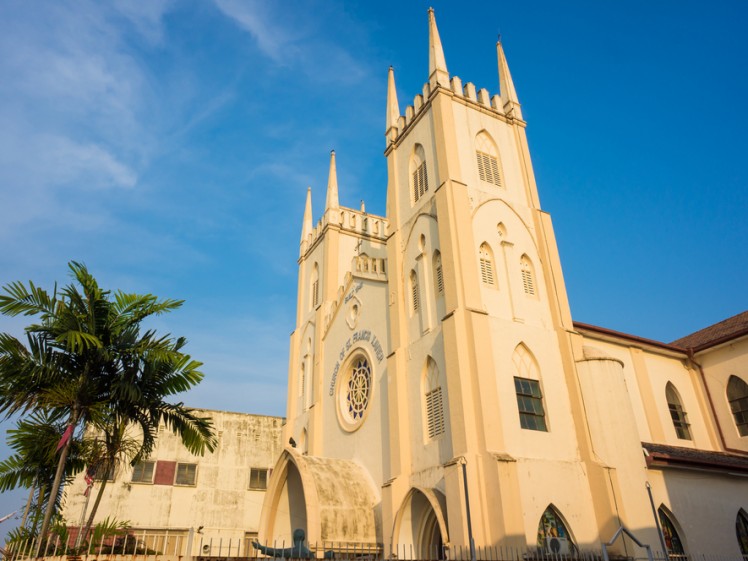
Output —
(28, 506)
(95, 506)
(38, 508)
(55, 487)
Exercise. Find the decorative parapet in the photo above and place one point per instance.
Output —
(360, 223)
(481, 98)
(362, 267)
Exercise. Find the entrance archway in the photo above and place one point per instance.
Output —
(420, 527)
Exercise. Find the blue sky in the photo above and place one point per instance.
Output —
(169, 145)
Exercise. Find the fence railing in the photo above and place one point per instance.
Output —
(184, 546)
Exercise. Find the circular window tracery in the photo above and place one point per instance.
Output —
(354, 392)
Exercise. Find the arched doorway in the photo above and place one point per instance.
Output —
(289, 509)
(420, 527)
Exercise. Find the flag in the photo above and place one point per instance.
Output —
(65, 437)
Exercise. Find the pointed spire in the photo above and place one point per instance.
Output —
(306, 228)
(393, 109)
(332, 185)
(438, 73)
(506, 86)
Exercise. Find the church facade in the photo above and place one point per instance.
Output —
(435, 364)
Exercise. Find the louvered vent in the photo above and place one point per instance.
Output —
(415, 293)
(439, 279)
(486, 270)
(435, 412)
(528, 283)
(420, 182)
(488, 168)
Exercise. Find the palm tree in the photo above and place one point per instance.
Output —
(33, 465)
(87, 359)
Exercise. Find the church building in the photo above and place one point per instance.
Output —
(439, 390)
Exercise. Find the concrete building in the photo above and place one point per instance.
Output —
(440, 336)
(212, 502)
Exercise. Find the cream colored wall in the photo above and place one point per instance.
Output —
(220, 501)
(364, 445)
(718, 364)
(705, 507)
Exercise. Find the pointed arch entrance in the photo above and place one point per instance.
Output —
(420, 530)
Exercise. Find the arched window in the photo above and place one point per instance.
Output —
(438, 273)
(315, 286)
(419, 178)
(672, 539)
(553, 537)
(527, 387)
(528, 275)
(485, 256)
(487, 157)
(737, 395)
(677, 413)
(433, 403)
(415, 295)
(741, 528)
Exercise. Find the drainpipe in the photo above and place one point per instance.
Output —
(463, 463)
(657, 522)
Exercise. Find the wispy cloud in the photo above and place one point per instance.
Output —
(295, 38)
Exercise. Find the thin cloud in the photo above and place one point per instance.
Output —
(294, 39)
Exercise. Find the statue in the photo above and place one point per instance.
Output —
(297, 551)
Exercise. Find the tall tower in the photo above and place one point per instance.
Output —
(439, 337)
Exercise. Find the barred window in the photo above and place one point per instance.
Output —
(677, 413)
(142, 472)
(258, 479)
(186, 474)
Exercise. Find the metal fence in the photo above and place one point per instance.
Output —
(144, 545)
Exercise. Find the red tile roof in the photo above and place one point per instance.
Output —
(725, 330)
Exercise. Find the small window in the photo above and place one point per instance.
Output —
(528, 276)
(415, 295)
(302, 380)
(438, 274)
(186, 474)
(737, 395)
(315, 286)
(487, 158)
(420, 181)
(677, 413)
(435, 412)
(258, 479)
(417, 170)
(488, 168)
(142, 472)
(486, 265)
(433, 400)
(530, 404)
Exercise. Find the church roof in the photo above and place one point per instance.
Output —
(721, 332)
(678, 456)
